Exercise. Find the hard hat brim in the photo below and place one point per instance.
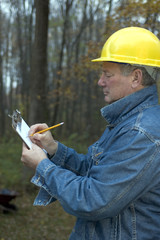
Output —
(147, 62)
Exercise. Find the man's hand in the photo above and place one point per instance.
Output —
(43, 140)
(32, 157)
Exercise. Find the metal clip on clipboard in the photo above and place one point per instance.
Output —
(16, 119)
(21, 127)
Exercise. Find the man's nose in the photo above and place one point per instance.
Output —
(101, 81)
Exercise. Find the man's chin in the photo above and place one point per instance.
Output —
(107, 100)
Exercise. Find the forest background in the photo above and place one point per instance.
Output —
(46, 48)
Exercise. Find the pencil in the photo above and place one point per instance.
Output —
(46, 129)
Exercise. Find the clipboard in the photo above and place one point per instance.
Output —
(21, 127)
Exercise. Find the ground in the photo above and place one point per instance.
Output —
(35, 223)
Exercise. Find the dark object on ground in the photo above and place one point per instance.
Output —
(5, 197)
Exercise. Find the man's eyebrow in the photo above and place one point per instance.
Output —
(106, 71)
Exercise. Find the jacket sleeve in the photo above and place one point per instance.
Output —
(68, 158)
(125, 172)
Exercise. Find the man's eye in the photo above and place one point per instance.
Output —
(108, 75)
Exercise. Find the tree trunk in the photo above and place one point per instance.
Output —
(68, 6)
(38, 107)
(2, 111)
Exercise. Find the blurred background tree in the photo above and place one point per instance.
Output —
(46, 49)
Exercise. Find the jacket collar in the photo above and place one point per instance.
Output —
(123, 108)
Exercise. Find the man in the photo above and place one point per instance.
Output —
(113, 190)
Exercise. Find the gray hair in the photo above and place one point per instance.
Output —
(150, 74)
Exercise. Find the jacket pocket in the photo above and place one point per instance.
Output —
(97, 153)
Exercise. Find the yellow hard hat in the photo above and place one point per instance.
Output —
(132, 45)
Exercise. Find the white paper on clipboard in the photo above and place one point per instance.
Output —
(23, 130)
(21, 127)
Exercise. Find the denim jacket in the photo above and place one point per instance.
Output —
(113, 190)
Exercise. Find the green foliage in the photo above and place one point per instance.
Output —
(10, 166)
(77, 142)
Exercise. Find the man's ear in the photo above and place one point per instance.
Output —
(137, 78)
